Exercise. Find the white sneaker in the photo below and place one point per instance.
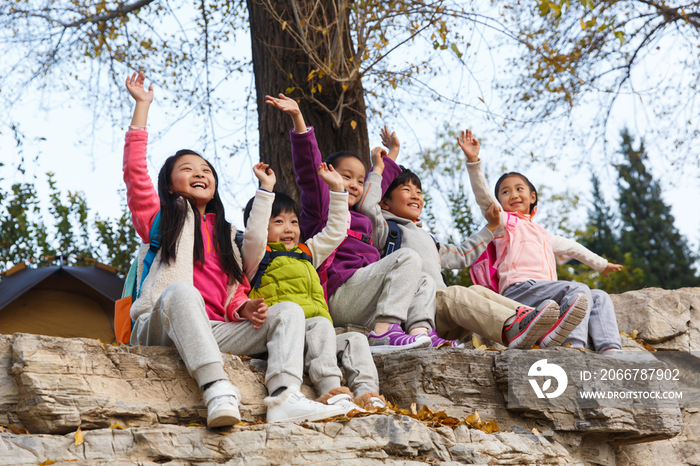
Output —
(222, 400)
(375, 402)
(291, 405)
(345, 401)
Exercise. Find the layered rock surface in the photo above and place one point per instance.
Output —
(52, 386)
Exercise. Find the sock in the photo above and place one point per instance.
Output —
(278, 391)
(208, 385)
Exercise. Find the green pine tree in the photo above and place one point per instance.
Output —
(648, 233)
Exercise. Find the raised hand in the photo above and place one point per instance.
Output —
(267, 180)
(255, 310)
(290, 107)
(377, 156)
(611, 268)
(331, 177)
(470, 145)
(493, 216)
(391, 142)
(134, 85)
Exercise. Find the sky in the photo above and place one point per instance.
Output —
(63, 136)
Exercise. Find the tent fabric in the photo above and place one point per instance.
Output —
(56, 313)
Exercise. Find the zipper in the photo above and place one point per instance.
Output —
(206, 229)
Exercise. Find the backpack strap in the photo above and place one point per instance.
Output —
(154, 239)
(270, 255)
(393, 239)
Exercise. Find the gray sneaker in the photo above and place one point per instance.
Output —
(530, 324)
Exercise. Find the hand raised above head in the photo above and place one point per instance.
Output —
(331, 177)
(284, 103)
(134, 84)
(265, 175)
(469, 145)
(391, 142)
(377, 155)
(290, 107)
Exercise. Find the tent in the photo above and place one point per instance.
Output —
(60, 300)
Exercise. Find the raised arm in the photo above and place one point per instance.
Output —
(255, 236)
(306, 158)
(369, 203)
(334, 233)
(471, 148)
(143, 98)
(141, 196)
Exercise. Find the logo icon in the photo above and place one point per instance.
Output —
(542, 369)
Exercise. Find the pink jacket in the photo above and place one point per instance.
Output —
(527, 251)
(524, 252)
(144, 204)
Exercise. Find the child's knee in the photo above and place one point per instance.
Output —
(286, 313)
(180, 298)
(407, 258)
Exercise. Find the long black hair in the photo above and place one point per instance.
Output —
(522, 177)
(173, 214)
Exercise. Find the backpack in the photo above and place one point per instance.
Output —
(393, 239)
(270, 256)
(122, 307)
(484, 271)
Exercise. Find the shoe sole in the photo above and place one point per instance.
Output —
(537, 328)
(566, 324)
(338, 411)
(419, 343)
(225, 418)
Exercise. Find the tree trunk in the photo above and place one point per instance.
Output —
(278, 64)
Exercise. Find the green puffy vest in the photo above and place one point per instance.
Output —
(290, 279)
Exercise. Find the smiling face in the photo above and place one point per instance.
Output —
(284, 228)
(405, 201)
(193, 177)
(515, 195)
(353, 173)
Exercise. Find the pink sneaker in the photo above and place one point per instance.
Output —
(396, 339)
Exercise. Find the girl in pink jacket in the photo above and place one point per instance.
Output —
(194, 296)
(525, 260)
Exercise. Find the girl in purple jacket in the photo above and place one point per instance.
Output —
(390, 295)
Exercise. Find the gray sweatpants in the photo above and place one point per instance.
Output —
(599, 323)
(323, 351)
(179, 319)
(392, 290)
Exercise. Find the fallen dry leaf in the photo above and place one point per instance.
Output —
(47, 463)
(115, 425)
(79, 437)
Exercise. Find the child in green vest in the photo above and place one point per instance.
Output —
(288, 273)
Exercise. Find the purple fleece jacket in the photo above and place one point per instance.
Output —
(353, 254)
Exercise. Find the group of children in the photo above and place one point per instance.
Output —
(279, 295)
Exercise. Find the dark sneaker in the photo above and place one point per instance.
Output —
(438, 342)
(569, 319)
(396, 339)
(530, 324)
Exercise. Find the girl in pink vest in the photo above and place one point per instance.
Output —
(525, 260)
